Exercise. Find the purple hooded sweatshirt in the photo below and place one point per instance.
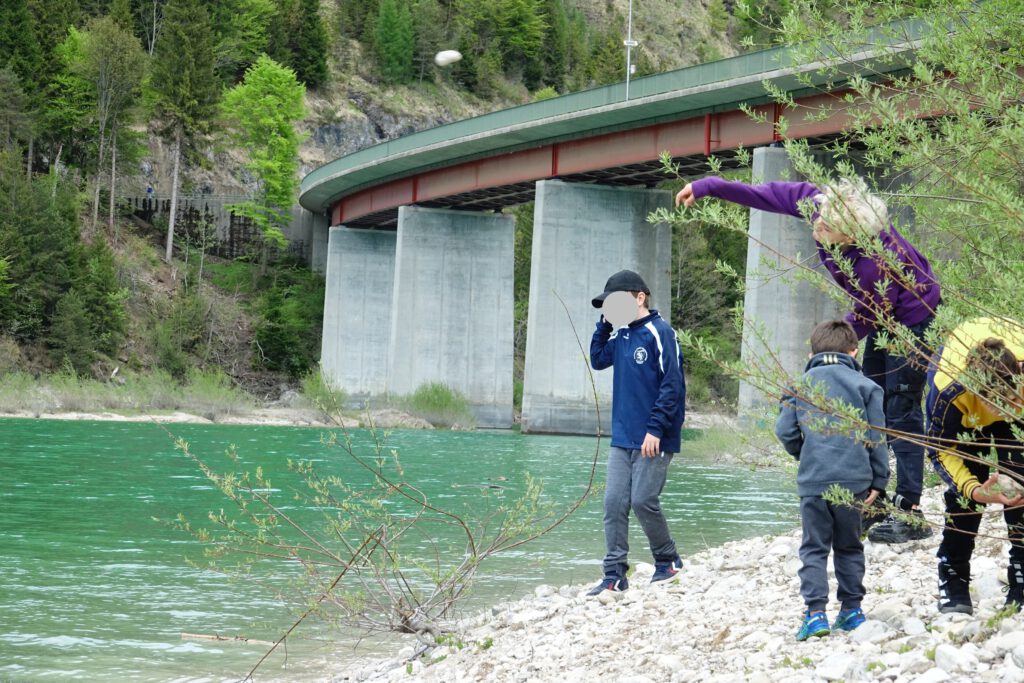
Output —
(909, 304)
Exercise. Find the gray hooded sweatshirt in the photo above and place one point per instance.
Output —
(829, 452)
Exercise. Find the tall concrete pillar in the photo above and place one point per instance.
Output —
(319, 238)
(452, 312)
(777, 305)
(581, 235)
(357, 310)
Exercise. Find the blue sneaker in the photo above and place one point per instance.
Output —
(609, 583)
(814, 626)
(665, 571)
(849, 619)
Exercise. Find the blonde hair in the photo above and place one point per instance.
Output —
(850, 209)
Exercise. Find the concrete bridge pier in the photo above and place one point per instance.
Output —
(360, 267)
(779, 311)
(319, 244)
(583, 233)
(451, 313)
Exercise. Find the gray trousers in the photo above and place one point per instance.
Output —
(835, 527)
(635, 482)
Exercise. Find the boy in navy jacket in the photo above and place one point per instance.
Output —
(832, 453)
(648, 393)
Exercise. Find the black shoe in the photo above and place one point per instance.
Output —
(955, 589)
(609, 583)
(872, 515)
(1015, 585)
(896, 529)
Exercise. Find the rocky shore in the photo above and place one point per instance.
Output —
(387, 418)
(732, 617)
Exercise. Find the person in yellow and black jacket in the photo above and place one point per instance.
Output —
(966, 426)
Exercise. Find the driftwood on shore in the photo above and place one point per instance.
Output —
(218, 637)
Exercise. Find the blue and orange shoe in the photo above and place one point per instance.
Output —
(665, 571)
(614, 584)
(815, 625)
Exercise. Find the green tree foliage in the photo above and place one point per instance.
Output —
(310, 39)
(356, 18)
(430, 32)
(393, 41)
(499, 37)
(103, 297)
(113, 62)
(184, 88)
(19, 47)
(262, 112)
(72, 98)
(180, 329)
(121, 13)
(291, 312)
(240, 34)
(298, 40)
(71, 341)
(15, 113)
(39, 241)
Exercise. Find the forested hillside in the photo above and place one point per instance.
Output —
(101, 99)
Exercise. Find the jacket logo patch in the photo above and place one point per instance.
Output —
(640, 355)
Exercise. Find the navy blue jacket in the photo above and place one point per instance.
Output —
(829, 452)
(648, 389)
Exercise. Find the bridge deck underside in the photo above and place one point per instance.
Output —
(648, 174)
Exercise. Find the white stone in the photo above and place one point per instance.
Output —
(987, 587)
(836, 666)
(952, 659)
(931, 676)
(670, 662)
(890, 611)
(543, 591)
(871, 631)
(1007, 642)
(913, 626)
(1018, 656)
(915, 662)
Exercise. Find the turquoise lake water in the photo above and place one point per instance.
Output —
(97, 588)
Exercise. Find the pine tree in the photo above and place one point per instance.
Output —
(357, 18)
(121, 13)
(430, 31)
(185, 88)
(104, 298)
(71, 341)
(393, 41)
(310, 45)
(240, 34)
(18, 45)
(15, 116)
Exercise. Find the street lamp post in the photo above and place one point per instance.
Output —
(630, 44)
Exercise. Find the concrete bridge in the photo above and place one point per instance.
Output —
(420, 260)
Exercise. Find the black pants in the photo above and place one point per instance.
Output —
(962, 527)
(903, 379)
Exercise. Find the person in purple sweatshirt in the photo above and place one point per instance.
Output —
(845, 217)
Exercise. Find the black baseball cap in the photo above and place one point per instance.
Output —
(622, 281)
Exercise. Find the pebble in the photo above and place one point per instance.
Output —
(731, 617)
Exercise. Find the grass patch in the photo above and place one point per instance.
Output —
(440, 405)
(210, 394)
(322, 396)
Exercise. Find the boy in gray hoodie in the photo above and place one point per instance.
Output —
(832, 451)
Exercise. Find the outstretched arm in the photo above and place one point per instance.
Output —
(777, 196)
